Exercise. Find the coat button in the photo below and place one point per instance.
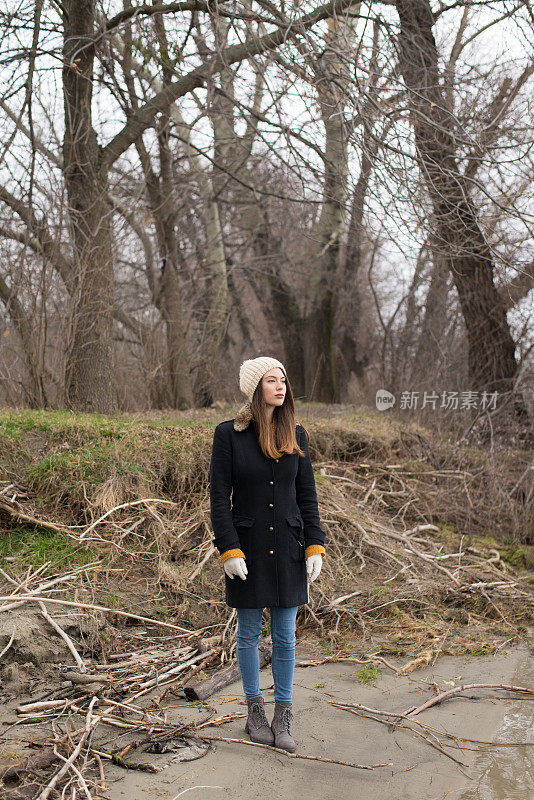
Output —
(271, 482)
(270, 527)
(271, 551)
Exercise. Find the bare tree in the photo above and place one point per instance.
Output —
(275, 193)
(492, 364)
(86, 164)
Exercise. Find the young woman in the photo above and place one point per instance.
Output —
(269, 538)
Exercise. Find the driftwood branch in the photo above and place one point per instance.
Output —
(295, 755)
(89, 725)
(26, 598)
(8, 645)
(443, 695)
(66, 638)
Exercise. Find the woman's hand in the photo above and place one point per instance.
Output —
(313, 566)
(236, 566)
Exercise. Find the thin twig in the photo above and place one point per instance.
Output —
(66, 638)
(294, 755)
(438, 698)
(27, 598)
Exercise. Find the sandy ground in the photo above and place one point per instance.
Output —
(418, 771)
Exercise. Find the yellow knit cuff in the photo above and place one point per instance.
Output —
(315, 549)
(232, 554)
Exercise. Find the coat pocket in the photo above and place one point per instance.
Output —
(296, 541)
(243, 524)
(243, 521)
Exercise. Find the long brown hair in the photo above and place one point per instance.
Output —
(283, 439)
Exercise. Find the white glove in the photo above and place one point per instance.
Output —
(313, 566)
(236, 566)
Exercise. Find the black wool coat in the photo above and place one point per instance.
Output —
(272, 517)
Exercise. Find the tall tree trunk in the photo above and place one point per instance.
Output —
(232, 158)
(216, 318)
(429, 353)
(89, 375)
(36, 393)
(167, 289)
(319, 342)
(351, 358)
(165, 213)
(491, 360)
(267, 246)
(400, 348)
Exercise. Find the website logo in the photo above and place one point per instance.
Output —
(384, 399)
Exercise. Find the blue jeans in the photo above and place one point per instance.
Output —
(283, 658)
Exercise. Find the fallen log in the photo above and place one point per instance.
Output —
(224, 677)
(42, 705)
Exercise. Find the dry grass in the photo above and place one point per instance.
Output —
(425, 539)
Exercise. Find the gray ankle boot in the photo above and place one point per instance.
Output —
(257, 724)
(281, 726)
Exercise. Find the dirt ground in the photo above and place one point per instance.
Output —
(418, 771)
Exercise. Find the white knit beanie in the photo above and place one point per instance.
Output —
(252, 371)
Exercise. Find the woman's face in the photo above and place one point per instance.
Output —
(274, 387)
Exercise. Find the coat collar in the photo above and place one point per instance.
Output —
(243, 417)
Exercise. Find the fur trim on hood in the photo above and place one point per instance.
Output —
(243, 417)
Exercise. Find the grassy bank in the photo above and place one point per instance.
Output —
(413, 522)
